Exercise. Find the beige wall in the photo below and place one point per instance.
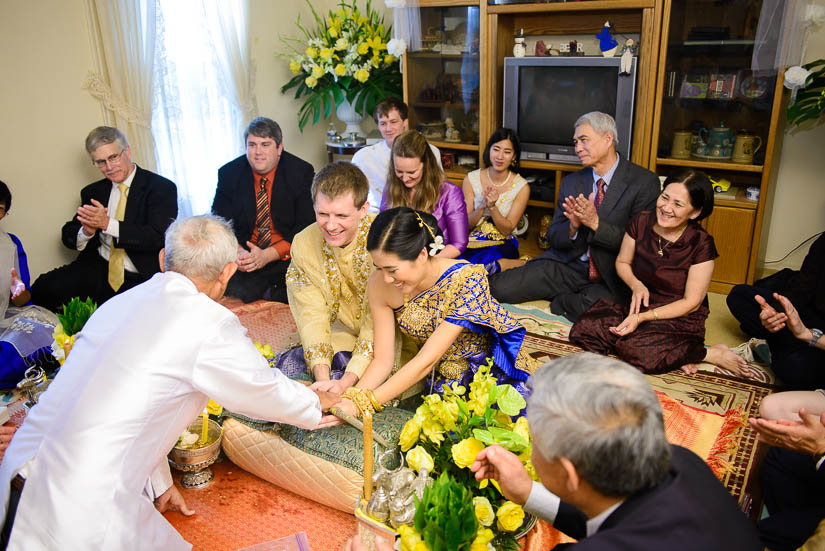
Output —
(45, 118)
(798, 209)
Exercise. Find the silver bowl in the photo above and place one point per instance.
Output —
(195, 462)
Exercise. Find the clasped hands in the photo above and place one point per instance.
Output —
(255, 258)
(491, 195)
(331, 391)
(93, 217)
(581, 211)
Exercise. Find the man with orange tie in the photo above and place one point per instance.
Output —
(266, 195)
(118, 227)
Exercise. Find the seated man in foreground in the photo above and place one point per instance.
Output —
(90, 458)
(327, 281)
(118, 228)
(265, 194)
(610, 478)
(586, 233)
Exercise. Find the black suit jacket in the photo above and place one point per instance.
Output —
(291, 205)
(151, 207)
(688, 511)
(632, 190)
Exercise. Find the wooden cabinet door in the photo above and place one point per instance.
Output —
(731, 229)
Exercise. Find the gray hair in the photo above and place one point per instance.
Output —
(104, 135)
(263, 127)
(200, 246)
(600, 122)
(602, 415)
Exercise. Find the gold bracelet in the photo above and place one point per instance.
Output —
(357, 397)
(375, 403)
(655, 314)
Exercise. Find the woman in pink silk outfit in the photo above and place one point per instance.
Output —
(416, 181)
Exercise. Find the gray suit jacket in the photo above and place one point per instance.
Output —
(632, 190)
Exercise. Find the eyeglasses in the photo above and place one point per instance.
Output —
(110, 160)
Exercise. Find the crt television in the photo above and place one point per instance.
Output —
(543, 97)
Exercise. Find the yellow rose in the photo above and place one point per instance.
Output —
(418, 459)
(465, 452)
(214, 408)
(409, 537)
(479, 547)
(409, 434)
(341, 44)
(295, 67)
(484, 511)
(326, 54)
(363, 48)
(317, 71)
(483, 536)
(522, 428)
(434, 431)
(340, 70)
(510, 516)
(311, 52)
(389, 58)
(361, 75)
(311, 81)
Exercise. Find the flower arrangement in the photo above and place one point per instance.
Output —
(74, 316)
(344, 60)
(808, 83)
(445, 436)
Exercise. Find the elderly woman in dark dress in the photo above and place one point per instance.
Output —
(666, 259)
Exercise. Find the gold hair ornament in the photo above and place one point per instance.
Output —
(438, 242)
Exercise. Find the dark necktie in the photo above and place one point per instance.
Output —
(595, 276)
(262, 216)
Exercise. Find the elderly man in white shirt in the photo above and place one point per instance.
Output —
(391, 117)
(140, 372)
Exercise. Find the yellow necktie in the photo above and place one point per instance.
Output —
(116, 255)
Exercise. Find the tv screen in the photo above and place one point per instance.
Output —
(552, 98)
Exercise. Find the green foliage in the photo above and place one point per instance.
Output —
(810, 100)
(445, 516)
(75, 314)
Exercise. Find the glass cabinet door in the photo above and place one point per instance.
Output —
(443, 77)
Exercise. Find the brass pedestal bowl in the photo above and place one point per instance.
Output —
(195, 462)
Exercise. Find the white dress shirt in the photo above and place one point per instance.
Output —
(113, 229)
(545, 504)
(374, 162)
(139, 373)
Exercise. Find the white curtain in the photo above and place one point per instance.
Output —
(203, 94)
(406, 22)
(783, 31)
(123, 38)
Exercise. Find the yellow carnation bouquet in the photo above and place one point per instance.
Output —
(445, 436)
(344, 59)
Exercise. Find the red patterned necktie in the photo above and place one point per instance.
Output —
(595, 276)
(262, 216)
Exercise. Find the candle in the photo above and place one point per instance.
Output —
(368, 457)
(205, 428)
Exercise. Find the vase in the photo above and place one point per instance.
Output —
(347, 114)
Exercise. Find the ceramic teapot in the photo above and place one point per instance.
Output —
(718, 141)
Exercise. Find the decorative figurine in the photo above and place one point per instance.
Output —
(451, 133)
(607, 44)
(542, 49)
(628, 51)
(519, 49)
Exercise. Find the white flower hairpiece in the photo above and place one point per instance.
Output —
(437, 245)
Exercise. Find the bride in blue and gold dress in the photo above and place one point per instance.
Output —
(443, 305)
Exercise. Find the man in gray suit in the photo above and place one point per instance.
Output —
(595, 205)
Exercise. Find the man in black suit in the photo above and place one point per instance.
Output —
(595, 205)
(118, 227)
(264, 227)
(609, 478)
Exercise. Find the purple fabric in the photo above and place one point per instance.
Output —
(451, 213)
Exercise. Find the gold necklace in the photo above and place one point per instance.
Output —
(662, 249)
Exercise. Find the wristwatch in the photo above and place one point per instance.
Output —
(816, 334)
